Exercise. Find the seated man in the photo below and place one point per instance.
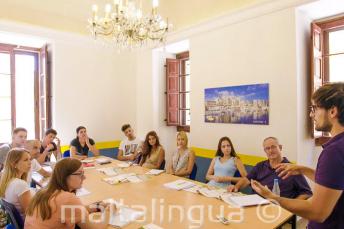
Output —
(19, 136)
(48, 146)
(34, 146)
(80, 146)
(130, 148)
(264, 172)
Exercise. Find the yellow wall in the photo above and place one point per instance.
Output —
(200, 152)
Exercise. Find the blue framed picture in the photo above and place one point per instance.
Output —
(244, 104)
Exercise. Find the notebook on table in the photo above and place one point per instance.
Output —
(179, 184)
(245, 200)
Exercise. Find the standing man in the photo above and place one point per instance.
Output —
(130, 148)
(326, 208)
(19, 136)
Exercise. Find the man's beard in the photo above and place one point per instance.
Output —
(325, 127)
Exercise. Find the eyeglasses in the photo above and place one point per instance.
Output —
(273, 147)
(313, 108)
(81, 174)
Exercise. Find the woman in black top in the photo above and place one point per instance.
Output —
(80, 146)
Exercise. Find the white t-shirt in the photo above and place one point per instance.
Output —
(35, 167)
(14, 190)
(128, 147)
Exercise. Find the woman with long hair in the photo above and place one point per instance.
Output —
(153, 154)
(13, 183)
(52, 206)
(184, 159)
(223, 167)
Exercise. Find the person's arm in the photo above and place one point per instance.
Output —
(41, 158)
(303, 197)
(142, 160)
(103, 224)
(187, 170)
(121, 157)
(243, 182)
(286, 169)
(73, 154)
(92, 147)
(317, 208)
(44, 172)
(169, 167)
(57, 152)
(210, 173)
(161, 158)
(24, 200)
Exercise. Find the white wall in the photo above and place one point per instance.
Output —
(151, 100)
(268, 47)
(260, 50)
(92, 84)
(306, 153)
(94, 87)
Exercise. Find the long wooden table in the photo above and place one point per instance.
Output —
(197, 210)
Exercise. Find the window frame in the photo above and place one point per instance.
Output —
(12, 50)
(176, 103)
(322, 28)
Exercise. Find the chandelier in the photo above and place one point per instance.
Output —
(124, 24)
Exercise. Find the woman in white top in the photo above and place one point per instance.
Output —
(13, 185)
(223, 167)
(184, 159)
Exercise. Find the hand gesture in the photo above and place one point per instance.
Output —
(58, 142)
(286, 169)
(264, 191)
(50, 147)
(232, 188)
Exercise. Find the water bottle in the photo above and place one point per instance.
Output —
(276, 188)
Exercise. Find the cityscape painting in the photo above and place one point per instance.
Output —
(245, 104)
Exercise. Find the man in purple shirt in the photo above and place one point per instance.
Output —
(265, 173)
(326, 208)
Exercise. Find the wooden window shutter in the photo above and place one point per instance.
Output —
(44, 91)
(172, 91)
(317, 65)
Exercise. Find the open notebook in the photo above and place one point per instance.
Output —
(179, 184)
(244, 200)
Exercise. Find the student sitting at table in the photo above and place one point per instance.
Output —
(49, 147)
(19, 136)
(53, 206)
(223, 167)
(13, 183)
(153, 154)
(33, 146)
(131, 147)
(184, 159)
(295, 187)
(80, 145)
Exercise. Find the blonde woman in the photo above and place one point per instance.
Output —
(184, 159)
(13, 185)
